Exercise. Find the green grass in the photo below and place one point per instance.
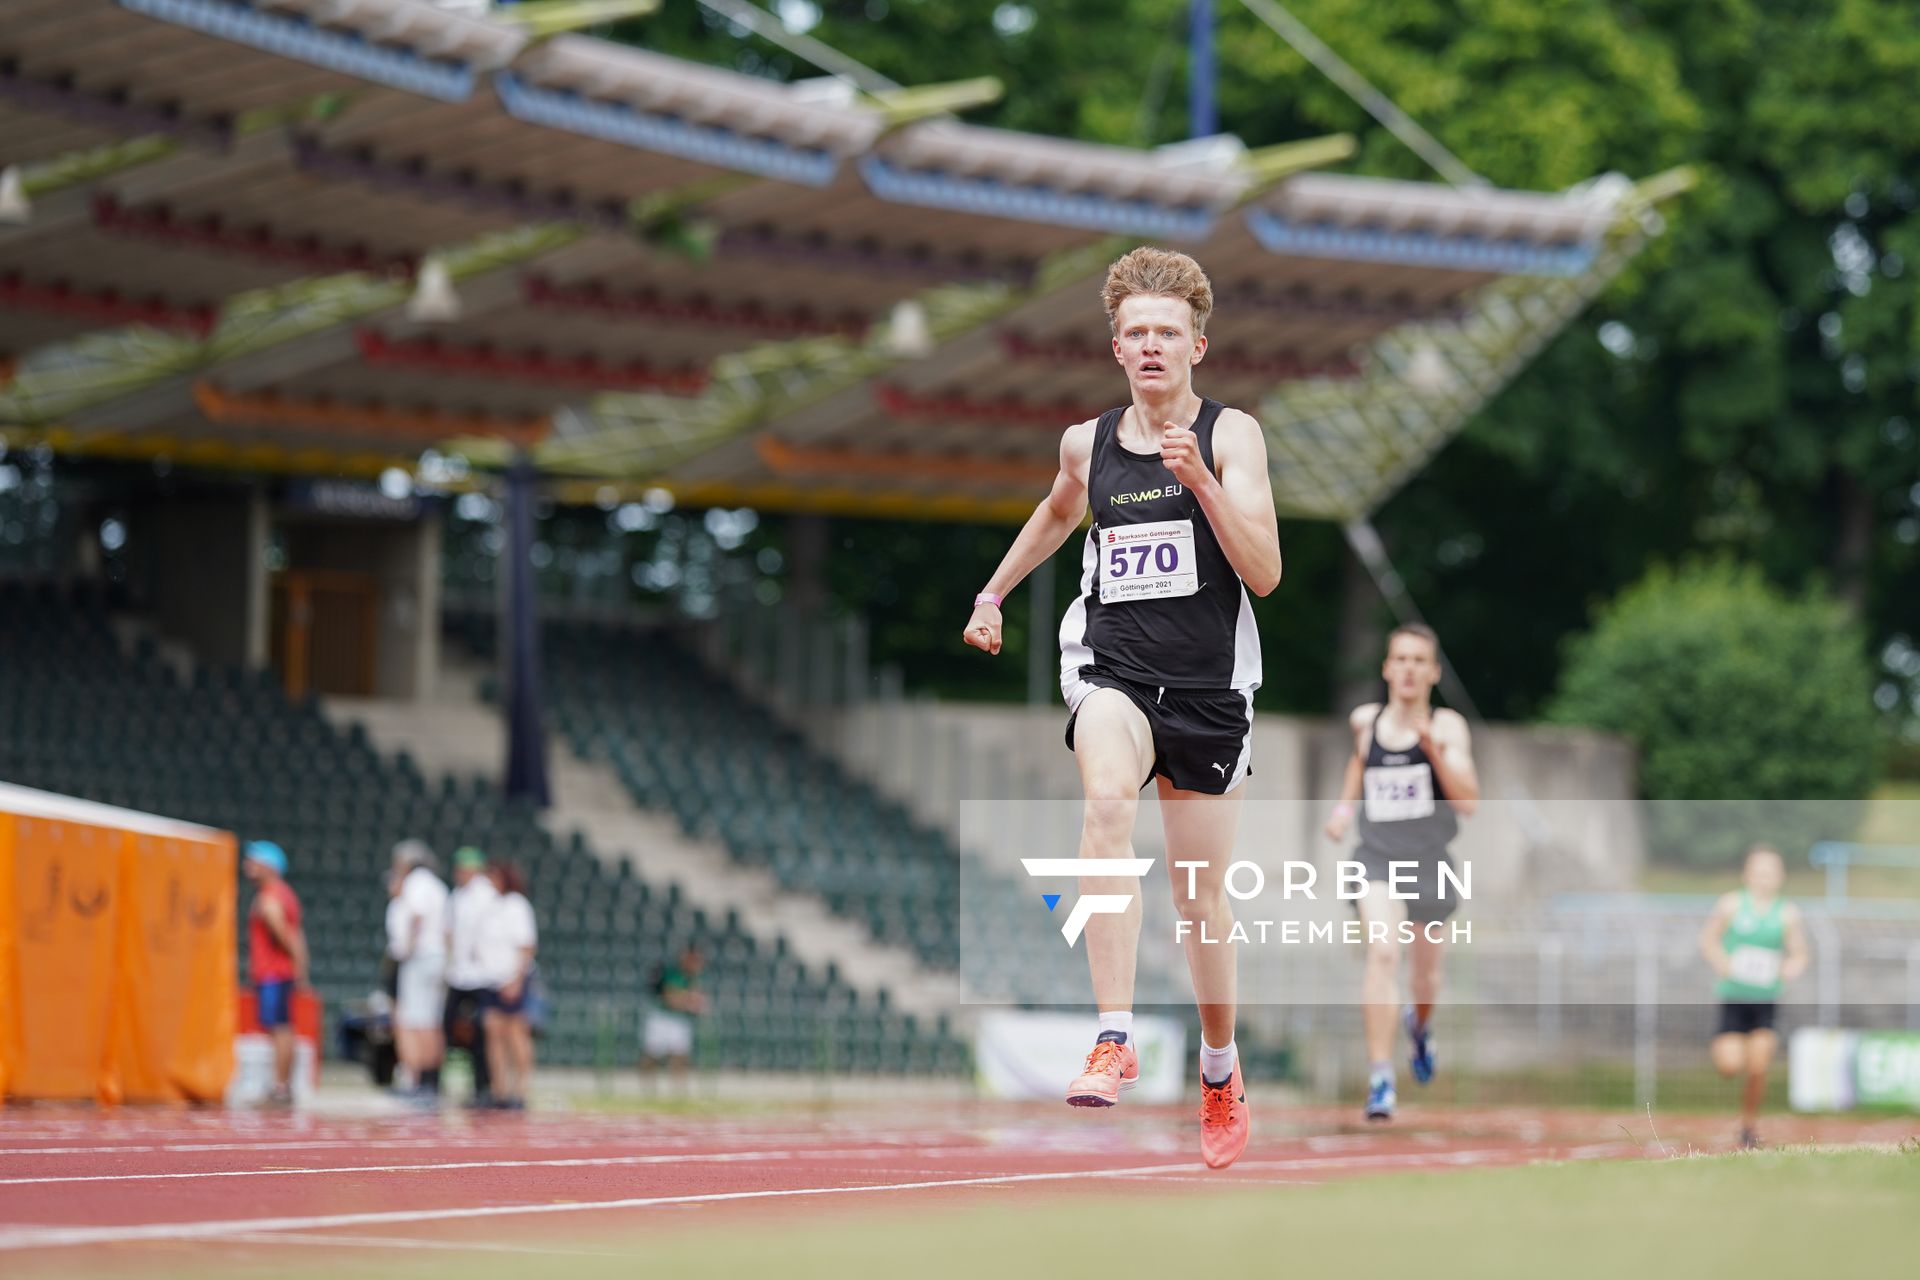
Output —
(1600, 1085)
(1793, 1213)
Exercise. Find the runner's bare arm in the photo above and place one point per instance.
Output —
(520, 977)
(1342, 814)
(290, 936)
(1050, 525)
(1798, 956)
(1239, 500)
(1712, 932)
(1452, 759)
(1361, 722)
(299, 949)
(1350, 780)
(276, 921)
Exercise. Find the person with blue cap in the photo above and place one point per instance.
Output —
(276, 956)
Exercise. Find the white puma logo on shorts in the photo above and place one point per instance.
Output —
(1222, 768)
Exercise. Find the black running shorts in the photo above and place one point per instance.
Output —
(1740, 1017)
(1433, 898)
(1202, 738)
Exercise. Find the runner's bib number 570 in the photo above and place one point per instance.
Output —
(1147, 562)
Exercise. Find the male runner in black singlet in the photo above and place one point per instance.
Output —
(1412, 769)
(1159, 657)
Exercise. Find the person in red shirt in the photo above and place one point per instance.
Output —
(276, 956)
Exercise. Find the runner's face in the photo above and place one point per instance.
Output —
(1411, 669)
(1764, 874)
(1154, 342)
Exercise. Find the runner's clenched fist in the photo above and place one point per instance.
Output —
(1180, 453)
(983, 628)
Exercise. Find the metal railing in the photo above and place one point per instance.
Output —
(1839, 856)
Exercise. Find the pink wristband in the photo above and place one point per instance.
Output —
(1344, 809)
(987, 597)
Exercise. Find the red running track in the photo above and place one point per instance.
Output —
(77, 1188)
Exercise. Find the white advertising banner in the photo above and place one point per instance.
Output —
(1833, 1070)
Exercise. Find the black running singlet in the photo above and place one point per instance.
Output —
(1159, 602)
(1404, 812)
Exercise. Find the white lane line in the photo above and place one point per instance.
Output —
(356, 1144)
(533, 1138)
(311, 1144)
(389, 1243)
(14, 1239)
(573, 1162)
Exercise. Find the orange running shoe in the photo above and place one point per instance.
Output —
(1111, 1067)
(1225, 1120)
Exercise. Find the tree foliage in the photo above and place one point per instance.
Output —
(1732, 690)
(1748, 388)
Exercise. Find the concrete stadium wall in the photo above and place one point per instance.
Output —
(1555, 815)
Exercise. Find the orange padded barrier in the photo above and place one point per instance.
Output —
(116, 955)
(177, 966)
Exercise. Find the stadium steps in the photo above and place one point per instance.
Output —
(137, 634)
(687, 742)
(449, 734)
(457, 733)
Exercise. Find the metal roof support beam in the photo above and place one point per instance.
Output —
(920, 102)
(824, 56)
(1423, 384)
(1371, 100)
(104, 368)
(627, 435)
(154, 167)
(348, 53)
(543, 18)
(79, 167)
(624, 436)
(1268, 165)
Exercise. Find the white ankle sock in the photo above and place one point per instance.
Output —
(1216, 1064)
(1378, 1072)
(1121, 1021)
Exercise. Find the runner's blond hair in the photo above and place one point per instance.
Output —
(1162, 273)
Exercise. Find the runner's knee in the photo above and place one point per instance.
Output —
(1207, 903)
(1383, 955)
(1110, 805)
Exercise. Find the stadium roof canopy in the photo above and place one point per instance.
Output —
(335, 235)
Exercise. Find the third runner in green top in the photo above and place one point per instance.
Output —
(1755, 942)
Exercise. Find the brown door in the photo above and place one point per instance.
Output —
(325, 637)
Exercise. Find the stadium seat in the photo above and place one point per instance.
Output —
(81, 716)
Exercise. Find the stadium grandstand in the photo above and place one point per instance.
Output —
(385, 227)
(255, 257)
(461, 434)
(100, 714)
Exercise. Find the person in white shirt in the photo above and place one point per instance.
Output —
(468, 984)
(417, 941)
(508, 940)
